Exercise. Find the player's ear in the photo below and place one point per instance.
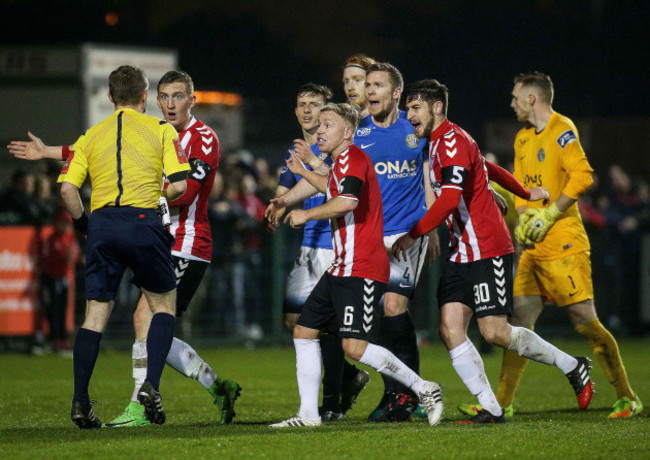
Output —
(144, 97)
(192, 100)
(110, 98)
(397, 92)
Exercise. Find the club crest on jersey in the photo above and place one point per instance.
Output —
(541, 155)
(566, 138)
(363, 131)
(412, 141)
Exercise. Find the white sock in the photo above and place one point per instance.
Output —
(530, 345)
(385, 362)
(139, 356)
(308, 372)
(469, 367)
(186, 360)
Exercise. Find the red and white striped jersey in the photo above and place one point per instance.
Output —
(358, 236)
(477, 228)
(190, 226)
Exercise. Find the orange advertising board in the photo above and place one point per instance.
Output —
(18, 280)
(19, 283)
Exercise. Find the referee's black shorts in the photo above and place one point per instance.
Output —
(120, 237)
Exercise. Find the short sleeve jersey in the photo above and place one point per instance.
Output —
(316, 232)
(555, 160)
(397, 155)
(125, 155)
(477, 229)
(358, 236)
(190, 227)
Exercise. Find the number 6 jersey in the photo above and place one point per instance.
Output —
(477, 229)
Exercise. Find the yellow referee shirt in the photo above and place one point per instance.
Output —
(125, 156)
(554, 159)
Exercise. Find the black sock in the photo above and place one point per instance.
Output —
(384, 339)
(86, 350)
(350, 371)
(333, 359)
(404, 344)
(159, 341)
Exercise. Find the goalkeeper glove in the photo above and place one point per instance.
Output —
(521, 238)
(540, 221)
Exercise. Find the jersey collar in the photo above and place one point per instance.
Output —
(440, 130)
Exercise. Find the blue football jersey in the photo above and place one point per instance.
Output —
(397, 154)
(317, 233)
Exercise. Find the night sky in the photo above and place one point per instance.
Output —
(595, 51)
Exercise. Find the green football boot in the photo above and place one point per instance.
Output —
(626, 407)
(473, 409)
(133, 415)
(224, 394)
(420, 412)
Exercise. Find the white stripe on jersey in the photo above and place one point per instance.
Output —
(349, 243)
(471, 234)
(337, 246)
(460, 248)
(473, 241)
(190, 231)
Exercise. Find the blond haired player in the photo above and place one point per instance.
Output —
(555, 262)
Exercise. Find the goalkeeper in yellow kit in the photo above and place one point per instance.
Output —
(555, 264)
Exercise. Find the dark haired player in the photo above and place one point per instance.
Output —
(477, 279)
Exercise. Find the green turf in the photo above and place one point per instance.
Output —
(35, 394)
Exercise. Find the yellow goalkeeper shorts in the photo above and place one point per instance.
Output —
(562, 281)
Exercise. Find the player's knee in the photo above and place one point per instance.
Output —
(394, 306)
(492, 337)
(353, 350)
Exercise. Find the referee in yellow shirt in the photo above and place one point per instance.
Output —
(125, 156)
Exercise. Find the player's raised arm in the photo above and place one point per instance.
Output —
(36, 149)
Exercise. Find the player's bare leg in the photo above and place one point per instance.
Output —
(308, 369)
(526, 311)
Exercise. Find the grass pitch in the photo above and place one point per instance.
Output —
(35, 395)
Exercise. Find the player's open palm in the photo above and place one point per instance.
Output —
(28, 150)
